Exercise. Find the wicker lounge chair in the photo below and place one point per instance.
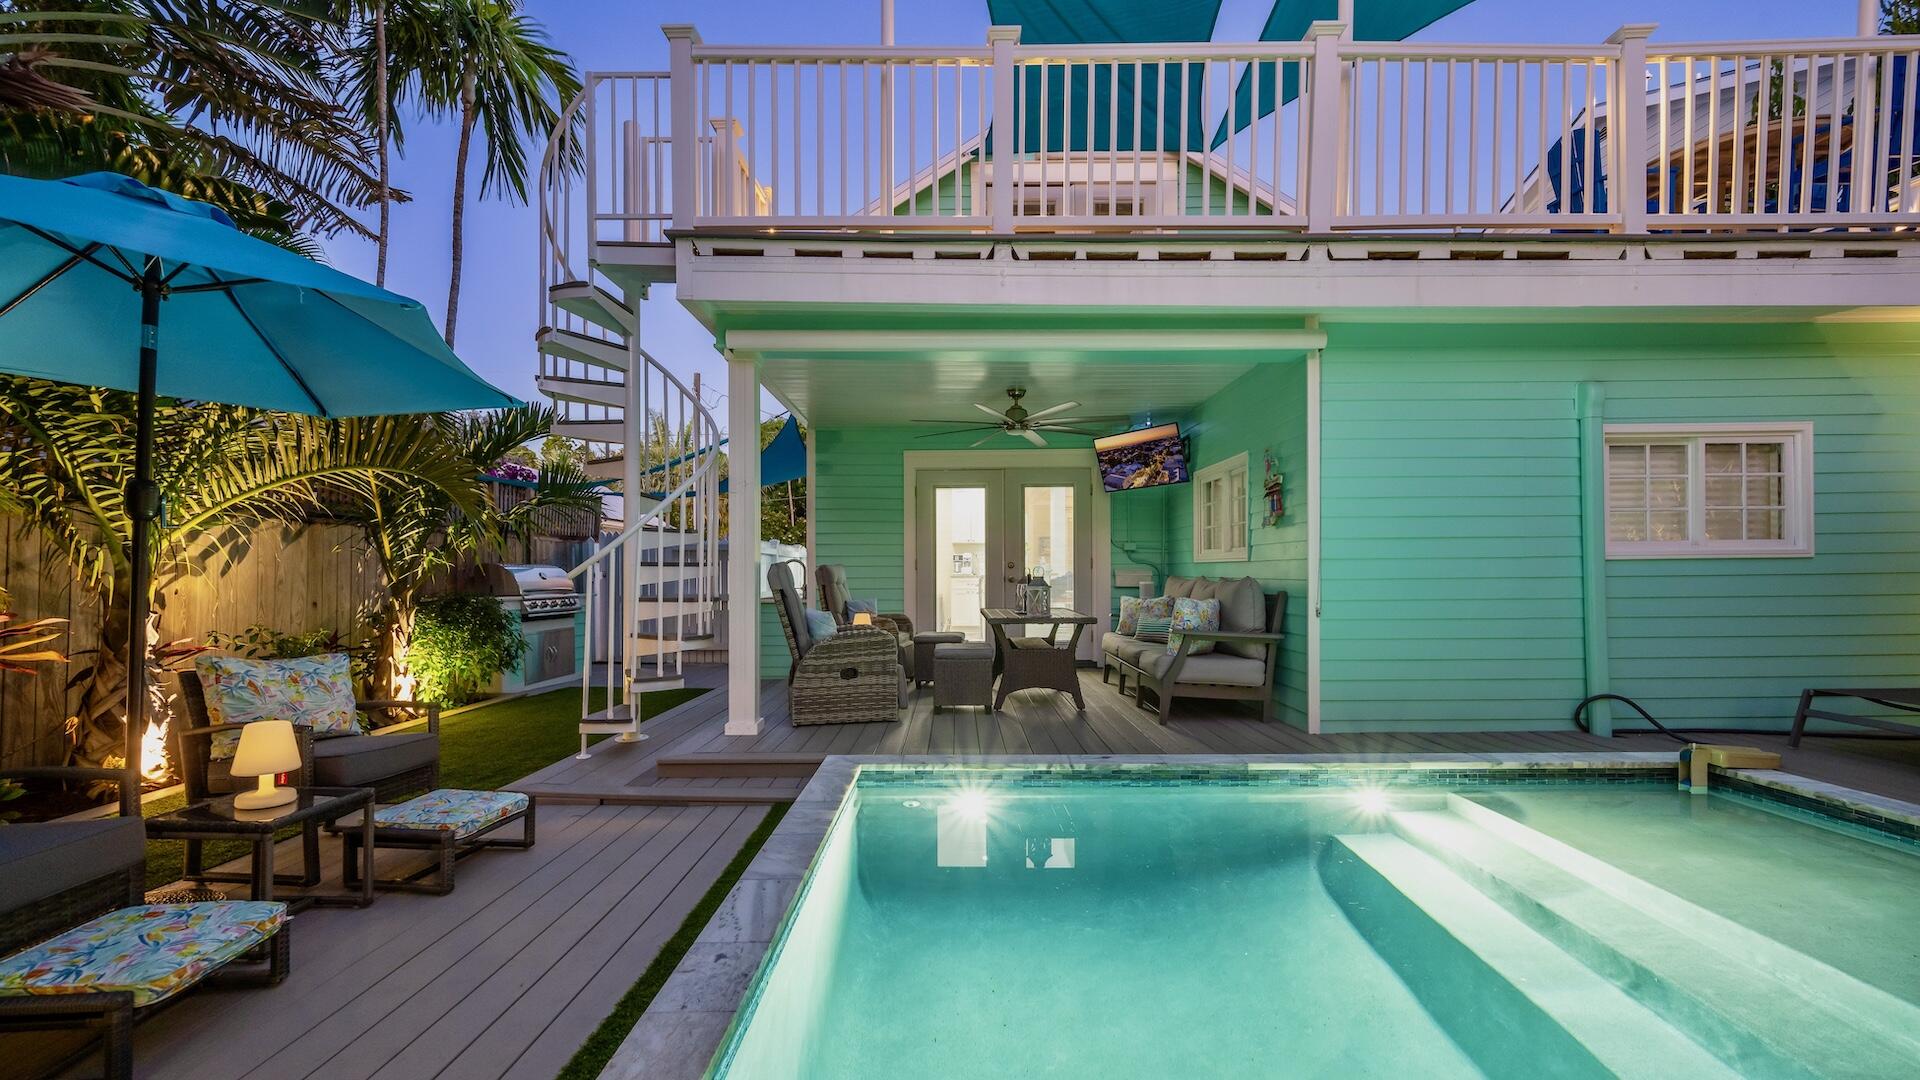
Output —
(853, 677)
(79, 948)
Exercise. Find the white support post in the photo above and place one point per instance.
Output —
(1628, 182)
(633, 420)
(1005, 153)
(1326, 127)
(1869, 18)
(685, 112)
(743, 546)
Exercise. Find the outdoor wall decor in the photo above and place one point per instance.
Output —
(1276, 504)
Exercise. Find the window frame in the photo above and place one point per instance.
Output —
(1223, 472)
(1797, 511)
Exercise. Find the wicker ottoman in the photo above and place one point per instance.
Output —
(923, 646)
(962, 674)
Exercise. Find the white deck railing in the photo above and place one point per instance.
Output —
(1368, 136)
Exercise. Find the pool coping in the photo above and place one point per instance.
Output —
(688, 1021)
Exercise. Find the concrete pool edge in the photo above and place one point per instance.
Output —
(690, 1019)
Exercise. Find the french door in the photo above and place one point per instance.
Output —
(979, 531)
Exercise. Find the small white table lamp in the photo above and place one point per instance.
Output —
(267, 749)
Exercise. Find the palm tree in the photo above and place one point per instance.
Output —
(66, 453)
(230, 103)
(484, 63)
(417, 532)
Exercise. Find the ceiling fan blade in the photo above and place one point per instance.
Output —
(984, 441)
(1067, 430)
(1051, 409)
(1031, 436)
(957, 431)
(949, 420)
(990, 411)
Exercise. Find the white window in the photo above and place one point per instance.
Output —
(1220, 511)
(1685, 491)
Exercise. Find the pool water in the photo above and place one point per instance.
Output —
(970, 928)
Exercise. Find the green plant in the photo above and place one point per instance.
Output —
(459, 644)
(9, 791)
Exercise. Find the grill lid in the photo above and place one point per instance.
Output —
(544, 590)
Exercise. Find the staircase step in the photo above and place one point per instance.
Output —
(1764, 1008)
(594, 304)
(643, 646)
(712, 766)
(1516, 1004)
(584, 348)
(592, 431)
(613, 395)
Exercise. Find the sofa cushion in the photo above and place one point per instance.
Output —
(1179, 586)
(153, 951)
(45, 858)
(316, 691)
(1243, 610)
(461, 813)
(1192, 614)
(364, 760)
(1212, 668)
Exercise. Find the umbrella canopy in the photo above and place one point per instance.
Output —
(244, 322)
(107, 282)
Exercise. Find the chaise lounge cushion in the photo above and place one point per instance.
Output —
(46, 858)
(462, 813)
(153, 951)
(1218, 668)
(363, 760)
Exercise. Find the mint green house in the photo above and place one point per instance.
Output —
(1521, 395)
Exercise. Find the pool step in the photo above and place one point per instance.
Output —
(1764, 1008)
(1515, 1003)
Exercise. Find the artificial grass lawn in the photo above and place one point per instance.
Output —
(480, 750)
(593, 1055)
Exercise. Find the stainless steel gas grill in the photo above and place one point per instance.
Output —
(546, 600)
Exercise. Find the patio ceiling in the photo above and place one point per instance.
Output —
(890, 388)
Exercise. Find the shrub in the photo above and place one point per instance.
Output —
(459, 644)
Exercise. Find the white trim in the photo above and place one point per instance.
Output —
(813, 543)
(743, 552)
(1796, 497)
(1313, 542)
(759, 343)
(1100, 600)
(1223, 470)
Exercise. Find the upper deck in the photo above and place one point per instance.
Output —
(1266, 152)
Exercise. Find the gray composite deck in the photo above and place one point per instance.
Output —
(507, 975)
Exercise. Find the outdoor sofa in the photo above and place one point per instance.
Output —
(79, 948)
(1243, 666)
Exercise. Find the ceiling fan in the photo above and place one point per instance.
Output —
(1016, 420)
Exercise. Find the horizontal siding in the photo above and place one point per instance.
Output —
(1451, 568)
(1266, 409)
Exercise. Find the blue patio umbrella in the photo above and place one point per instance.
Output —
(107, 282)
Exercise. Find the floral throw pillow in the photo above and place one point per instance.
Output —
(1145, 607)
(1191, 614)
(313, 690)
(1129, 616)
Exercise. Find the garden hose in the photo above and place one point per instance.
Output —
(1679, 735)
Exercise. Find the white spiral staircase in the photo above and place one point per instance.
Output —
(654, 593)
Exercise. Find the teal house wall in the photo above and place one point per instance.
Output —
(1451, 520)
(1263, 411)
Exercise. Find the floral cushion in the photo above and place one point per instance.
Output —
(462, 813)
(1191, 614)
(1129, 616)
(154, 950)
(314, 690)
(1135, 608)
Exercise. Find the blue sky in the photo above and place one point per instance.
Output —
(499, 312)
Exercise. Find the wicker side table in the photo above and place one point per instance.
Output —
(962, 674)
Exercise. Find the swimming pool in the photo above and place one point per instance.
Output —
(1021, 923)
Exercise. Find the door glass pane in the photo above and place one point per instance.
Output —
(960, 559)
(1047, 544)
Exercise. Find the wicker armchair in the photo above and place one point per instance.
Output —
(852, 677)
(56, 876)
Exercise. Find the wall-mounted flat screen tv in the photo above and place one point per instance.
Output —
(1146, 458)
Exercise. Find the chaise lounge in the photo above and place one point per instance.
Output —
(852, 676)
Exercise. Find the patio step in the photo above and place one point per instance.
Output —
(721, 766)
(1761, 1006)
(585, 348)
(613, 395)
(1493, 983)
(643, 794)
(594, 304)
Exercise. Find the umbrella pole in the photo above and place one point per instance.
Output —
(143, 500)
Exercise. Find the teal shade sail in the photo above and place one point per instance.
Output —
(1055, 113)
(1373, 20)
(783, 459)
